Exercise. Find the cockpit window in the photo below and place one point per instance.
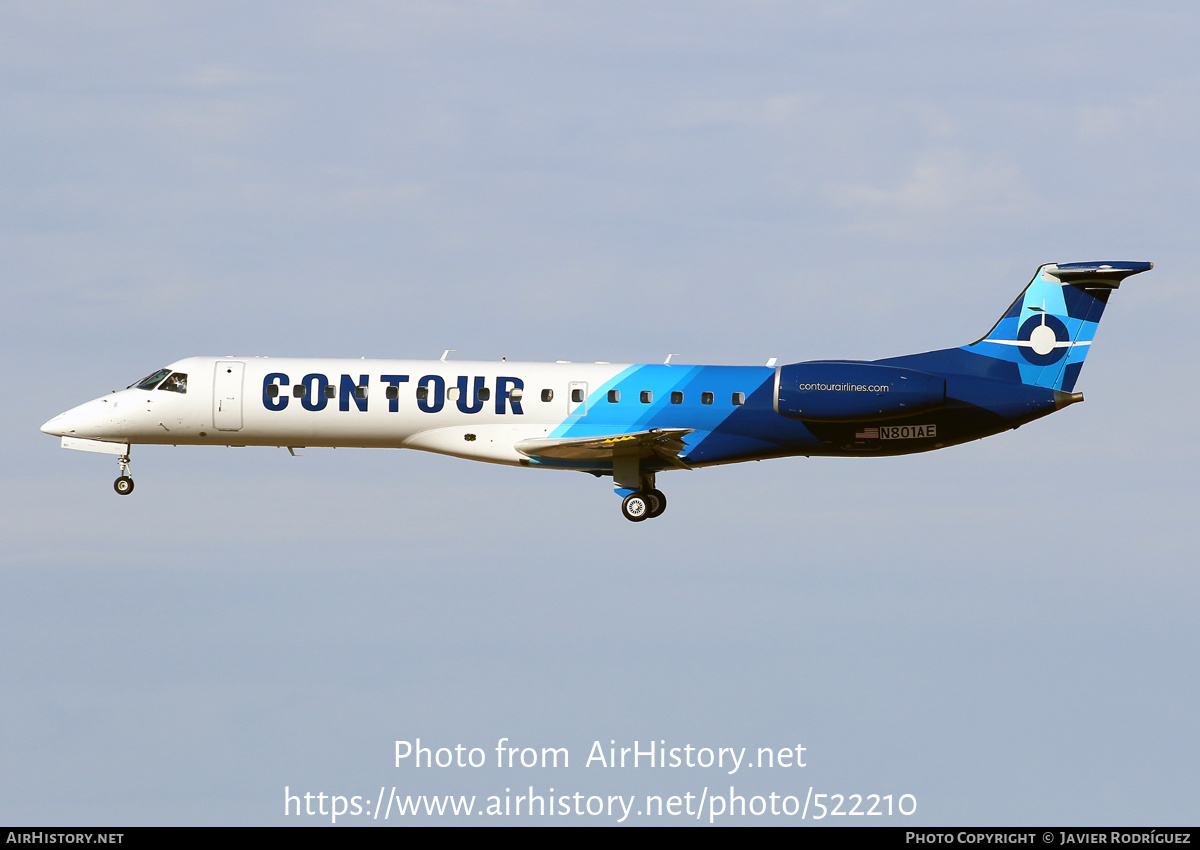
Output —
(151, 381)
(177, 383)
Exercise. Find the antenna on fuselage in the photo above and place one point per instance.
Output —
(667, 362)
(444, 353)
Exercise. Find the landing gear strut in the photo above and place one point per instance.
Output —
(124, 484)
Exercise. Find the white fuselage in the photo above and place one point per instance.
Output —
(352, 403)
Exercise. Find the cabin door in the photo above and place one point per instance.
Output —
(227, 395)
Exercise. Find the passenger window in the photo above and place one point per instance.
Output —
(547, 395)
(516, 393)
(614, 396)
(647, 397)
(272, 390)
(360, 392)
(739, 399)
(298, 390)
(330, 391)
(422, 393)
(484, 394)
(706, 398)
(452, 394)
(677, 397)
(577, 396)
(151, 381)
(392, 393)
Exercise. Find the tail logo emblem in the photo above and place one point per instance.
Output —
(1043, 339)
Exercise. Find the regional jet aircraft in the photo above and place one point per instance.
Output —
(627, 421)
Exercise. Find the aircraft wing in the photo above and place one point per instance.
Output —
(665, 443)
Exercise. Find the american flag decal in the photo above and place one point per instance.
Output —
(867, 434)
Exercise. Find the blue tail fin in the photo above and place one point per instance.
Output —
(1048, 330)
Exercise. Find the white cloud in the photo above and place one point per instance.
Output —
(941, 185)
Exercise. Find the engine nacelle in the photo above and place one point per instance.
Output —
(849, 391)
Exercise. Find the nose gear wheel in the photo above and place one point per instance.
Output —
(124, 484)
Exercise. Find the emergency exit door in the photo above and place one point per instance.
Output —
(227, 395)
(577, 395)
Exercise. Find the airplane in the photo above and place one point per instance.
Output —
(627, 421)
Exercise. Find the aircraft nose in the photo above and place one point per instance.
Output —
(71, 422)
(55, 427)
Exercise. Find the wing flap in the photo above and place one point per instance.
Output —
(666, 443)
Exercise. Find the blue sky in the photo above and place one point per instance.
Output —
(1005, 630)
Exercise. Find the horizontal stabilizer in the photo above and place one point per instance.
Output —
(666, 443)
(1108, 274)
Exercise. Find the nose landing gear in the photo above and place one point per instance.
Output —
(124, 484)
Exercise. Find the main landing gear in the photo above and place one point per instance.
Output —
(643, 504)
(642, 500)
(124, 484)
